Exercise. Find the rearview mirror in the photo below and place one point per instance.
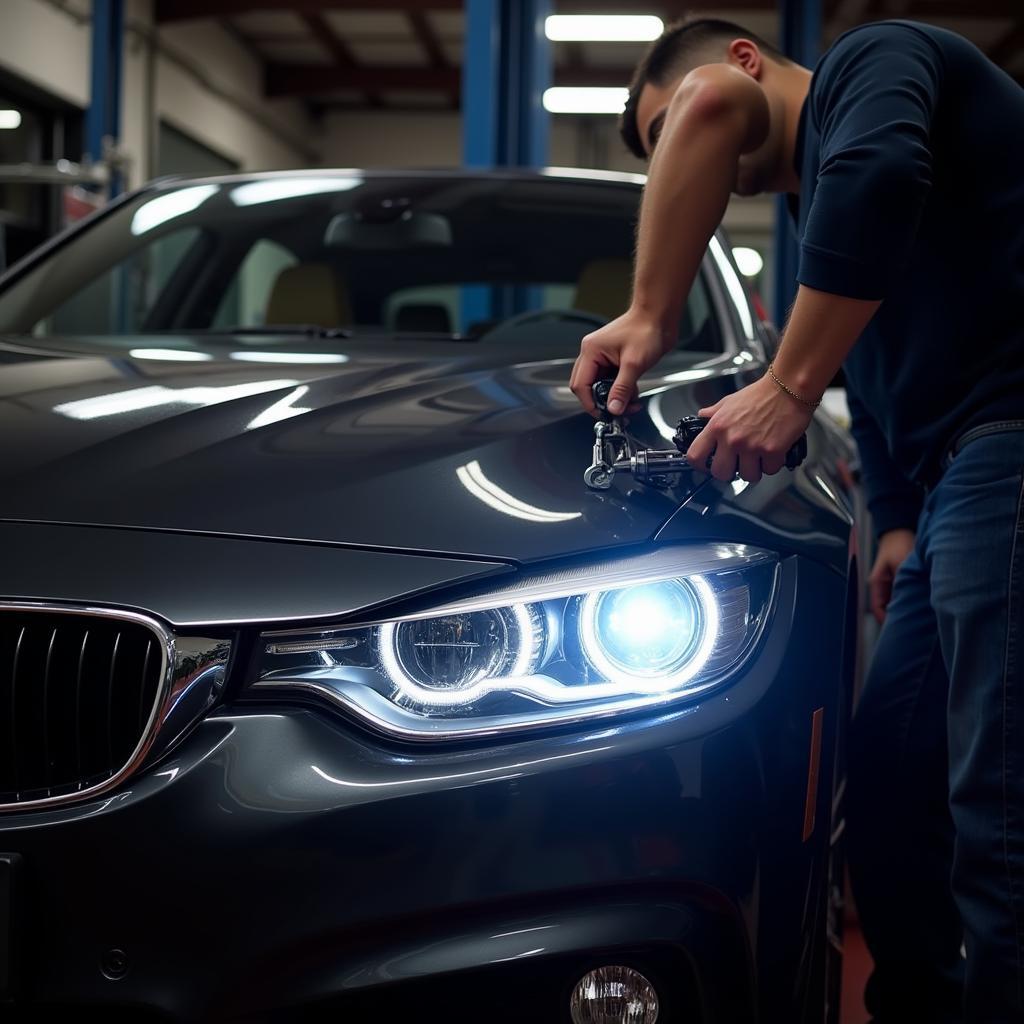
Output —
(412, 228)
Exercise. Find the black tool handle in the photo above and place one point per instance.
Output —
(690, 426)
(600, 390)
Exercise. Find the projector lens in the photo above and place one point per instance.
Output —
(644, 632)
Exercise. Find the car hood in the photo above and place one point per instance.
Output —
(437, 447)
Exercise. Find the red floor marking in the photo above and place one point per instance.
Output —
(856, 968)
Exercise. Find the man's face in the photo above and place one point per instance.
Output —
(650, 112)
(754, 170)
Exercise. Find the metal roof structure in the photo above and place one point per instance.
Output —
(407, 54)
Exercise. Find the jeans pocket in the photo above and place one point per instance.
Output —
(988, 454)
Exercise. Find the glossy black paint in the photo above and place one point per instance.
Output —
(326, 862)
(190, 580)
(373, 461)
(283, 863)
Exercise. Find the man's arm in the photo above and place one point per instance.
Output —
(751, 431)
(716, 114)
(877, 97)
(894, 503)
(874, 106)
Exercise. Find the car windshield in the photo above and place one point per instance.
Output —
(343, 255)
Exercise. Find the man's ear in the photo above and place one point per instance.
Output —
(744, 54)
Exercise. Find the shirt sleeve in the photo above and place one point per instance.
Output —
(894, 502)
(872, 102)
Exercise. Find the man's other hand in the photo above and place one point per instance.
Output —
(893, 548)
(628, 346)
(750, 432)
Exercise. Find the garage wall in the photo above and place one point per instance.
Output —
(210, 87)
(421, 139)
(195, 76)
(47, 46)
(434, 139)
(380, 138)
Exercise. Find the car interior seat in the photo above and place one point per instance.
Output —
(309, 293)
(604, 287)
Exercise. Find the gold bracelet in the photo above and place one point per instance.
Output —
(792, 394)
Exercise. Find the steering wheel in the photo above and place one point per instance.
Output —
(537, 316)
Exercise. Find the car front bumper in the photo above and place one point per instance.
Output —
(282, 863)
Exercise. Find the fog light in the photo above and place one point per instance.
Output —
(614, 995)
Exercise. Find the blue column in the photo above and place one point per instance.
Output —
(800, 38)
(505, 70)
(103, 118)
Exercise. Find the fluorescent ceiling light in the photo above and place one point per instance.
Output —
(611, 28)
(269, 190)
(10, 119)
(180, 354)
(290, 357)
(569, 100)
(748, 260)
(166, 207)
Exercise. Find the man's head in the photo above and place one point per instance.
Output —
(690, 44)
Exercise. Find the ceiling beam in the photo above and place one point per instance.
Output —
(315, 80)
(181, 10)
(311, 80)
(329, 39)
(680, 8)
(960, 9)
(668, 9)
(427, 38)
(339, 51)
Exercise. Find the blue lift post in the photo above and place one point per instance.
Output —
(800, 38)
(103, 118)
(505, 70)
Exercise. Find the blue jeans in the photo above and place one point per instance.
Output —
(936, 774)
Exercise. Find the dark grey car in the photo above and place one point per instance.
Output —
(327, 687)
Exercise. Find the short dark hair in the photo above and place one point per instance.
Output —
(668, 55)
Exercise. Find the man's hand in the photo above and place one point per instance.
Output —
(630, 345)
(893, 548)
(750, 432)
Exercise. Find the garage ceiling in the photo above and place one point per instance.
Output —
(407, 54)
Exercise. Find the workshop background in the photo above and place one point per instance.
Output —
(98, 97)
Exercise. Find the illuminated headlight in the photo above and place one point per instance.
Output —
(553, 647)
(661, 634)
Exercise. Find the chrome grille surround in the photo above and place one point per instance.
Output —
(158, 711)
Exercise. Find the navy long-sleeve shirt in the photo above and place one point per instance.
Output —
(910, 153)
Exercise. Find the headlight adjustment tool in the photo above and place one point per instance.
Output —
(613, 452)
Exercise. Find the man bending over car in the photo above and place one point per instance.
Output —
(902, 154)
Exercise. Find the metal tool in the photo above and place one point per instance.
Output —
(614, 453)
